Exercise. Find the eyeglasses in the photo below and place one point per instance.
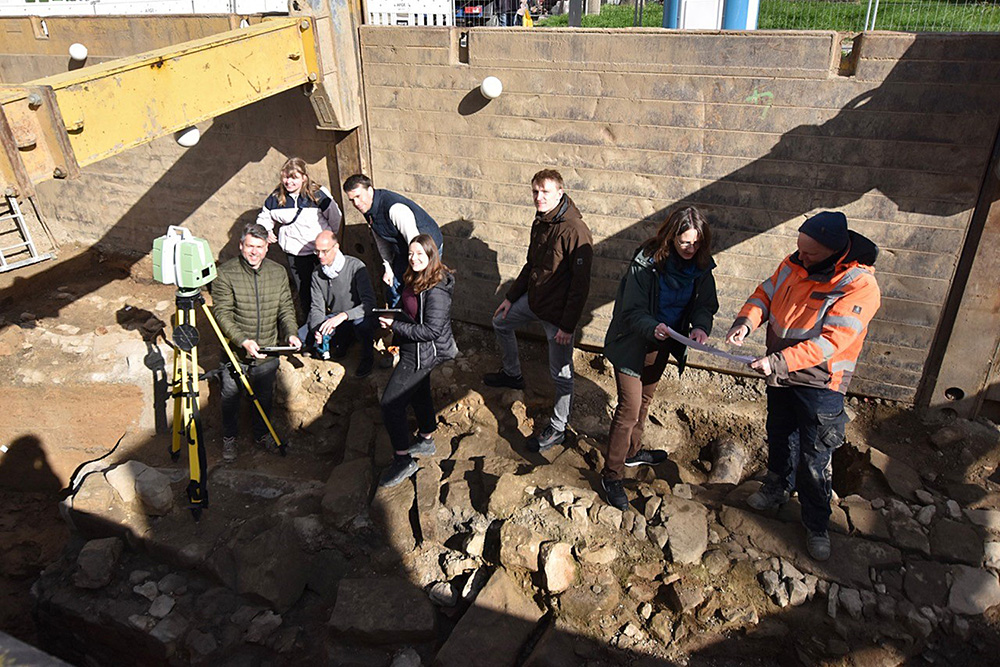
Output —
(687, 244)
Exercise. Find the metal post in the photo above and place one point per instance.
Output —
(575, 13)
(671, 9)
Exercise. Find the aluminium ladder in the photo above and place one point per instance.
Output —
(24, 242)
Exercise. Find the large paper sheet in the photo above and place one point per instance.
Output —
(740, 359)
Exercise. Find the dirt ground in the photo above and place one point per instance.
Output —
(67, 399)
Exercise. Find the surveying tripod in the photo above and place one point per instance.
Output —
(187, 415)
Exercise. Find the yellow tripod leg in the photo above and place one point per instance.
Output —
(246, 382)
(197, 491)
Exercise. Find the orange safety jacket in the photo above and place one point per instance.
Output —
(816, 323)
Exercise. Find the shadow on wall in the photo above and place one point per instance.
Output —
(883, 140)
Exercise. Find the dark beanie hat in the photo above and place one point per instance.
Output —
(828, 228)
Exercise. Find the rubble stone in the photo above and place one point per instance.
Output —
(770, 581)
(147, 590)
(96, 562)
(153, 490)
(558, 566)
(850, 600)
(161, 606)
(519, 546)
(170, 629)
(443, 594)
(261, 627)
(926, 514)
(684, 595)
(798, 592)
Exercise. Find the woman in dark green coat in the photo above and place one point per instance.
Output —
(669, 283)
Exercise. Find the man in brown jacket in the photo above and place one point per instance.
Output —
(551, 288)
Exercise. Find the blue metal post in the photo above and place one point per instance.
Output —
(740, 14)
(670, 12)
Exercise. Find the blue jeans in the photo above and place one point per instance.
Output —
(560, 356)
(804, 427)
(361, 329)
(393, 292)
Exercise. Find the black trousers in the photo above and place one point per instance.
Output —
(261, 377)
(407, 386)
(301, 268)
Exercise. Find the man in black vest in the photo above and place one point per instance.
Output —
(395, 221)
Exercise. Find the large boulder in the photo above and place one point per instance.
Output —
(686, 523)
(390, 509)
(345, 495)
(264, 558)
(493, 631)
(382, 611)
(973, 590)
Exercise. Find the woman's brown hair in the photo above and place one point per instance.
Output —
(296, 165)
(435, 271)
(681, 220)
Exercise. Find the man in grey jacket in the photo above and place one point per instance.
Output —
(342, 303)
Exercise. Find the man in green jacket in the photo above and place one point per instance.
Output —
(253, 306)
(551, 288)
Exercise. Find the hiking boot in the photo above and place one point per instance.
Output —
(229, 448)
(365, 367)
(422, 446)
(339, 352)
(614, 493)
(267, 443)
(501, 379)
(549, 437)
(768, 497)
(401, 469)
(646, 457)
(818, 544)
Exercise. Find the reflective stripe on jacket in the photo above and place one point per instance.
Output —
(816, 323)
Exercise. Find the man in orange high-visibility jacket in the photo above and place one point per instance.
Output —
(817, 307)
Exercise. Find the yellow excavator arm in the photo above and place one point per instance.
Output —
(52, 127)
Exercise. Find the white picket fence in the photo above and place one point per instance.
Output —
(411, 12)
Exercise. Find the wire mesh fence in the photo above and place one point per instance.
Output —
(857, 15)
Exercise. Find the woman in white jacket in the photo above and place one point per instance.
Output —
(294, 215)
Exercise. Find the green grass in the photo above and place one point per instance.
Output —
(611, 16)
(907, 15)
